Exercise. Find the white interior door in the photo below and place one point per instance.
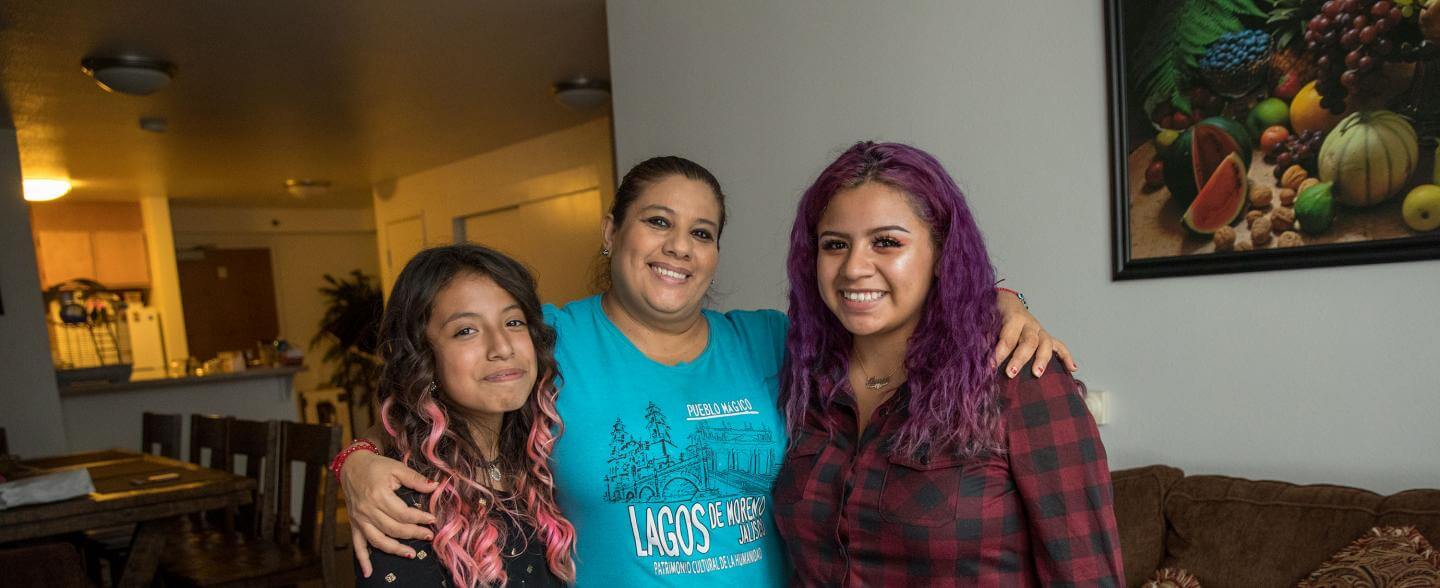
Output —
(403, 239)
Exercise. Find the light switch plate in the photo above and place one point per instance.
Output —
(1097, 401)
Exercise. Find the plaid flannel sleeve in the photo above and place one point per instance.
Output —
(1063, 480)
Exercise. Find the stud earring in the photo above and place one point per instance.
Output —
(605, 251)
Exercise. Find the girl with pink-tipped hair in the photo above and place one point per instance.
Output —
(468, 398)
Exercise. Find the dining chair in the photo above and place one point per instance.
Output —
(286, 555)
(210, 436)
(210, 432)
(162, 430)
(258, 442)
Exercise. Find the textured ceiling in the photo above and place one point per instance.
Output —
(353, 91)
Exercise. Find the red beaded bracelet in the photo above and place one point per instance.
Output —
(357, 445)
(1017, 295)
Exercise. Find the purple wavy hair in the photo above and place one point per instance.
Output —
(952, 403)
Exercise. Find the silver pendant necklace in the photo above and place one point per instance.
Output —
(494, 471)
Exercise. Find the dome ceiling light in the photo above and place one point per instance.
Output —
(138, 76)
(45, 189)
(581, 94)
(307, 188)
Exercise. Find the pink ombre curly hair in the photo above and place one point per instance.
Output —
(430, 435)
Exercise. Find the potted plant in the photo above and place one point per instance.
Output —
(350, 334)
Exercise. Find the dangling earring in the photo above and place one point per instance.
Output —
(605, 251)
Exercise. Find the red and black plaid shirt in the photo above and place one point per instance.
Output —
(1041, 514)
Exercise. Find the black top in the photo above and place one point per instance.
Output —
(524, 556)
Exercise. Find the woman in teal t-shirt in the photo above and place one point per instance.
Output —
(672, 436)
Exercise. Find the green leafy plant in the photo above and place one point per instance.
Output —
(350, 333)
(1174, 40)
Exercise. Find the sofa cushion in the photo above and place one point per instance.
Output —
(1236, 532)
(1139, 513)
(1384, 556)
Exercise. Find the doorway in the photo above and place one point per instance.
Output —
(229, 299)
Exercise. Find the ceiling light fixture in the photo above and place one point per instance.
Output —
(305, 188)
(582, 93)
(139, 76)
(44, 190)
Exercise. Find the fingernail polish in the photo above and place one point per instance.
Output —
(1013, 371)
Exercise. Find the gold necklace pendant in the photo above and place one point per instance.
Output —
(878, 383)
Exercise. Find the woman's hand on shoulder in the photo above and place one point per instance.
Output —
(1022, 338)
(378, 517)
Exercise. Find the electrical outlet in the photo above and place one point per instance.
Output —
(1096, 401)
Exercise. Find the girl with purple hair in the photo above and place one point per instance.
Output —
(673, 429)
(911, 460)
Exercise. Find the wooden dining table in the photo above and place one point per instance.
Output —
(153, 493)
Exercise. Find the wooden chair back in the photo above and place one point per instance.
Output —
(259, 443)
(212, 432)
(313, 446)
(162, 430)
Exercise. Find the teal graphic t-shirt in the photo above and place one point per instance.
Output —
(666, 471)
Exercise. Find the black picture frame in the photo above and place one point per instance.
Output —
(1121, 115)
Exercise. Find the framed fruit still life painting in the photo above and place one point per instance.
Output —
(1269, 134)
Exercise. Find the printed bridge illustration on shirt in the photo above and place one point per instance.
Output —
(716, 460)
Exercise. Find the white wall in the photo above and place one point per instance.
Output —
(564, 162)
(29, 402)
(304, 246)
(1305, 375)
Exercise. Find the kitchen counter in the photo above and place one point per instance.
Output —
(87, 388)
(99, 415)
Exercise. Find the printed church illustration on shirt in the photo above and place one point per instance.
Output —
(716, 460)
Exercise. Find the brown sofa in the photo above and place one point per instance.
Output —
(1250, 534)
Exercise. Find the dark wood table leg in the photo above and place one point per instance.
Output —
(145, 551)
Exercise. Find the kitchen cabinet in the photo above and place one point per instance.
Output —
(64, 255)
(120, 258)
(113, 258)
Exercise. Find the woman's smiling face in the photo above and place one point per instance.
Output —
(875, 260)
(665, 250)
